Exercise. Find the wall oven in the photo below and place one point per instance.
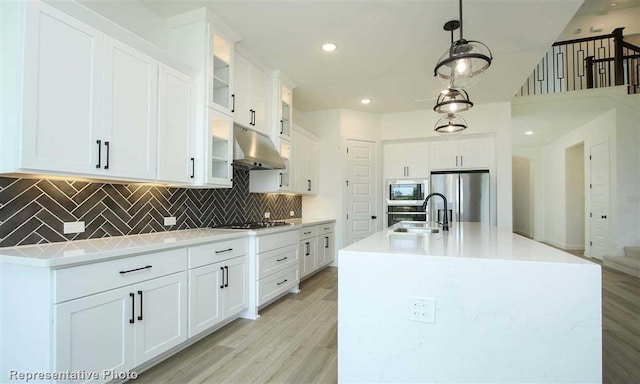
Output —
(404, 200)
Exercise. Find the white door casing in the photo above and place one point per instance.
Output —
(361, 190)
(599, 199)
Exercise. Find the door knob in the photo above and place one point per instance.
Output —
(374, 217)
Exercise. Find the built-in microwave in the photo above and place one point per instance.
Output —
(406, 192)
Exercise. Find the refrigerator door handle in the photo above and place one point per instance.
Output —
(460, 209)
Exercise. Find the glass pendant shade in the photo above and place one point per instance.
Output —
(461, 65)
(453, 100)
(451, 123)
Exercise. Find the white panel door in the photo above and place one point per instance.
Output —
(475, 153)
(260, 100)
(205, 307)
(160, 316)
(599, 191)
(236, 285)
(95, 333)
(394, 161)
(130, 112)
(175, 159)
(62, 92)
(361, 196)
(418, 160)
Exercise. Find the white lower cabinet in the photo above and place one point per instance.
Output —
(316, 247)
(219, 290)
(121, 328)
(277, 265)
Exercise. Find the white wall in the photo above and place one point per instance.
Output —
(629, 18)
(522, 196)
(483, 118)
(575, 196)
(536, 169)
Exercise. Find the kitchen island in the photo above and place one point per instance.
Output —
(475, 304)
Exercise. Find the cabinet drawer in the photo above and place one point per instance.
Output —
(275, 241)
(70, 283)
(307, 232)
(277, 260)
(325, 228)
(274, 285)
(212, 253)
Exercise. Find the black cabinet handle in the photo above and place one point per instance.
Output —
(225, 250)
(140, 293)
(193, 167)
(226, 269)
(326, 241)
(280, 179)
(136, 269)
(282, 282)
(99, 142)
(284, 258)
(308, 185)
(222, 285)
(306, 233)
(106, 144)
(307, 250)
(604, 216)
(374, 217)
(233, 103)
(281, 127)
(254, 117)
(133, 307)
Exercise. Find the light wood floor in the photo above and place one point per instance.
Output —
(294, 341)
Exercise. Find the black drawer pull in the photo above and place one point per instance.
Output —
(327, 228)
(282, 282)
(225, 250)
(306, 233)
(284, 258)
(137, 269)
(133, 307)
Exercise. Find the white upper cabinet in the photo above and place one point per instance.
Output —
(252, 95)
(219, 151)
(306, 163)
(62, 92)
(219, 73)
(405, 160)
(282, 106)
(176, 162)
(129, 116)
(462, 154)
(274, 180)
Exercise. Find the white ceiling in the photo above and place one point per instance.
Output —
(386, 49)
(600, 7)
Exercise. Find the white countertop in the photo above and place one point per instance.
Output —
(65, 254)
(464, 240)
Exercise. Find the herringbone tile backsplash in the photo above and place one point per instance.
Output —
(33, 211)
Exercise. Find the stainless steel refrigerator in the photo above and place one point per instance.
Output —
(467, 195)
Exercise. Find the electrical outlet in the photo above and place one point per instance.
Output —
(267, 215)
(292, 213)
(169, 221)
(422, 309)
(73, 227)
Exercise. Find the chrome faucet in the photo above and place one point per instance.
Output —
(445, 222)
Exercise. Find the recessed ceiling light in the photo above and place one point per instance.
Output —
(613, 4)
(365, 101)
(329, 47)
(529, 133)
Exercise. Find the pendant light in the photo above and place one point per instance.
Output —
(451, 123)
(453, 100)
(464, 61)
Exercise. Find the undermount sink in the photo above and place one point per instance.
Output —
(416, 230)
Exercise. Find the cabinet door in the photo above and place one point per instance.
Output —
(418, 160)
(205, 290)
(62, 92)
(300, 160)
(476, 153)
(394, 161)
(94, 333)
(444, 155)
(220, 70)
(326, 248)
(285, 175)
(236, 286)
(309, 257)
(260, 100)
(130, 113)
(175, 162)
(313, 167)
(219, 149)
(242, 114)
(286, 110)
(160, 316)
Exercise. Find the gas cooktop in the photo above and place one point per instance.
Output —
(253, 225)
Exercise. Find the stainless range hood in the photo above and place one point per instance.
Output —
(254, 150)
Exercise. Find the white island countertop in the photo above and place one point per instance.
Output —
(466, 240)
(476, 304)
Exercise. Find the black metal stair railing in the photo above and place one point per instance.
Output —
(592, 62)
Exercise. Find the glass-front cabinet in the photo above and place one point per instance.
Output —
(285, 112)
(220, 74)
(219, 149)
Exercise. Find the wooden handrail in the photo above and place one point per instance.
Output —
(631, 47)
